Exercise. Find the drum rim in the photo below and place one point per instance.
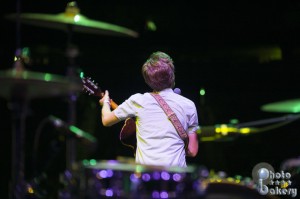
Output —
(134, 167)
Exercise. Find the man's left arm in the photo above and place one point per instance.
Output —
(107, 116)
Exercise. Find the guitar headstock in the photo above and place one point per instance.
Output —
(90, 87)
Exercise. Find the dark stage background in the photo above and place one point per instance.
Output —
(244, 54)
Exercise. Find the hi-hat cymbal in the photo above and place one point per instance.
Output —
(26, 84)
(287, 106)
(69, 22)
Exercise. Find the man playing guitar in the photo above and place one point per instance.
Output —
(158, 142)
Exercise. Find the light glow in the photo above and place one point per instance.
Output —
(202, 91)
(77, 18)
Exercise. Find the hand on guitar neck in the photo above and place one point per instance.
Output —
(93, 89)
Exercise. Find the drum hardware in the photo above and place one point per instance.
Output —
(219, 185)
(115, 179)
(228, 132)
(68, 131)
(71, 130)
(72, 20)
(71, 186)
(228, 190)
(20, 85)
(111, 178)
(223, 132)
(27, 85)
(292, 166)
(282, 119)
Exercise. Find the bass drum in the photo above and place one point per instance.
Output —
(115, 179)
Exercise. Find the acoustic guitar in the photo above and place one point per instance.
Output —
(128, 132)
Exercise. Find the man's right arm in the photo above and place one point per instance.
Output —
(193, 145)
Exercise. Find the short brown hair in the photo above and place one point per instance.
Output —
(159, 72)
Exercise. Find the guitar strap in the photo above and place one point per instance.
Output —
(173, 118)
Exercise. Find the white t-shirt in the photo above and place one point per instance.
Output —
(158, 142)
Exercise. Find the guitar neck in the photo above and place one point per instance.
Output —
(113, 104)
(92, 88)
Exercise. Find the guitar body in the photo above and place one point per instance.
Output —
(128, 131)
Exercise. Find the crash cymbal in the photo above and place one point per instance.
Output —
(69, 22)
(287, 106)
(27, 84)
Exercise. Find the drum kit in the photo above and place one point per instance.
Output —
(89, 179)
(122, 178)
(19, 85)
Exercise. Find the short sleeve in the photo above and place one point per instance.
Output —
(127, 108)
(193, 121)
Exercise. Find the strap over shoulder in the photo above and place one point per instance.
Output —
(173, 118)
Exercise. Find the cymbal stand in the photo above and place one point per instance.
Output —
(71, 73)
(19, 111)
(18, 105)
(71, 53)
(67, 177)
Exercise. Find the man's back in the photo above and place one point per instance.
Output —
(158, 142)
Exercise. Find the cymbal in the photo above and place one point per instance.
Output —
(223, 132)
(27, 84)
(286, 106)
(77, 23)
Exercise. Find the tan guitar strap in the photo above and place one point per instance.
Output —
(173, 118)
